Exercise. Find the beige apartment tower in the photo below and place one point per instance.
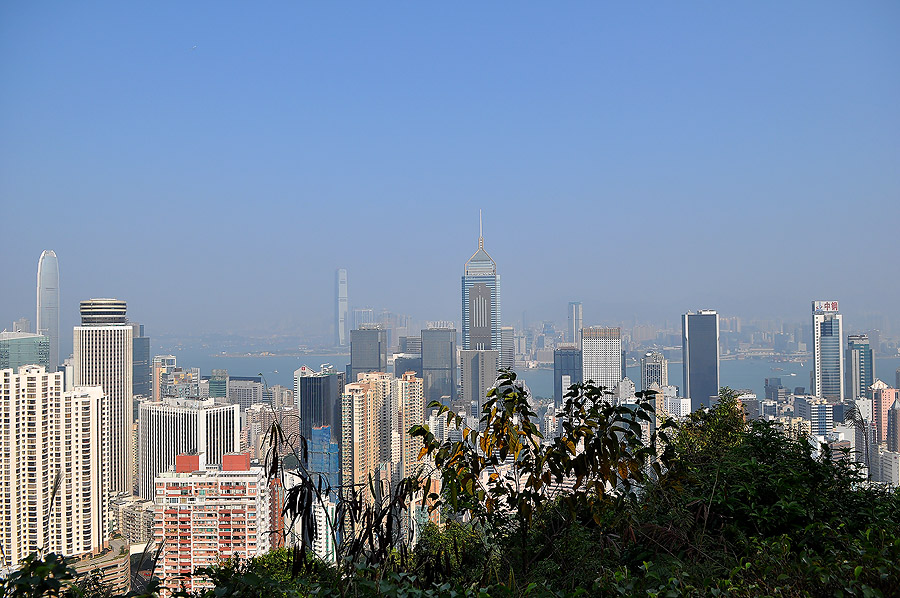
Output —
(47, 432)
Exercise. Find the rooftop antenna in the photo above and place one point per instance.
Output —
(480, 232)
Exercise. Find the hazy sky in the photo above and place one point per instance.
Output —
(212, 163)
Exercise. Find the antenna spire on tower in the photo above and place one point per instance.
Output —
(480, 232)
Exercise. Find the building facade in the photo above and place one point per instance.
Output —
(700, 357)
(567, 370)
(478, 374)
(439, 364)
(481, 302)
(859, 365)
(103, 346)
(183, 426)
(319, 399)
(575, 322)
(602, 357)
(48, 304)
(23, 348)
(206, 515)
(44, 432)
(341, 309)
(828, 340)
(368, 351)
(654, 369)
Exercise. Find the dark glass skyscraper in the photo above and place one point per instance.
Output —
(319, 400)
(368, 351)
(700, 354)
(141, 376)
(566, 371)
(860, 366)
(439, 363)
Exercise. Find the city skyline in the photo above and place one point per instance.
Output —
(733, 133)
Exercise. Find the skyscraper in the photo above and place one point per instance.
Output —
(654, 368)
(601, 354)
(828, 340)
(478, 373)
(439, 364)
(341, 308)
(368, 351)
(575, 323)
(700, 355)
(481, 301)
(103, 346)
(140, 356)
(48, 303)
(45, 431)
(567, 370)
(859, 366)
(318, 397)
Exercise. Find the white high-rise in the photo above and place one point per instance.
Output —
(601, 356)
(48, 303)
(575, 322)
(828, 350)
(103, 357)
(175, 427)
(47, 432)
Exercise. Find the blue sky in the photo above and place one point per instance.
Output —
(212, 163)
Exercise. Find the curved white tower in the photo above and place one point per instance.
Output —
(48, 303)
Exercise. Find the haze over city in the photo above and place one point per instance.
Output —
(213, 164)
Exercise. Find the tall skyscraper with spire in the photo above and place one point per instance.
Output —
(481, 300)
(48, 304)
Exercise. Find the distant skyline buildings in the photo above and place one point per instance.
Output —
(48, 303)
(700, 357)
(368, 351)
(654, 369)
(828, 353)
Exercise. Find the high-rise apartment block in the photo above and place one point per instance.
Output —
(439, 364)
(207, 515)
(481, 302)
(859, 366)
(575, 322)
(103, 347)
(478, 374)
(23, 348)
(181, 426)
(700, 356)
(828, 340)
(408, 403)
(368, 351)
(602, 359)
(341, 309)
(44, 432)
(567, 370)
(48, 304)
(883, 399)
(654, 369)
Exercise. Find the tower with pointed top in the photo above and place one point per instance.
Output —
(481, 300)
